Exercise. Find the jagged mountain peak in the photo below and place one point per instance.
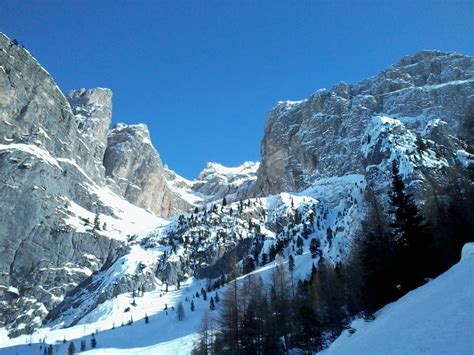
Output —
(246, 168)
(424, 55)
(94, 101)
(130, 132)
(136, 167)
(217, 181)
(60, 223)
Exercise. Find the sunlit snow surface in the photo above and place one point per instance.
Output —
(164, 334)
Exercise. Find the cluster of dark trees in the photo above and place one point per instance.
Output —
(71, 350)
(391, 255)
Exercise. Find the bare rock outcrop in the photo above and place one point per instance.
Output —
(324, 135)
(133, 163)
(49, 189)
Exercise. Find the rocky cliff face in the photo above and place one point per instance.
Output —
(328, 134)
(133, 163)
(92, 109)
(51, 190)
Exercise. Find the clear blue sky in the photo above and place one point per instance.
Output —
(203, 74)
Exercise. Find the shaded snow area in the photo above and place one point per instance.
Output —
(437, 318)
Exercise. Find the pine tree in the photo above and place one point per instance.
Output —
(313, 270)
(291, 268)
(230, 318)
(192, 306)
(280, 305)
(180, 311)
(299, 245)
(83, 345)
(146, 318)
(93, 342)
(71, 350)
(206, 331)
(224, 202)
(372, 263)
(249, 265)
(212, 306)
(409, 231)
(291, 263)
(307, 332)
(250, 325)
(314, 248)
(96, 222)
(50, 349)
(407, 218)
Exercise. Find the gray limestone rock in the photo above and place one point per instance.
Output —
(92, 110)
(135, 166)
(321, 135)
(43, 159)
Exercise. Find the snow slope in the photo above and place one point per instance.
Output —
(164, 334)
(331, 202)
(437, 318)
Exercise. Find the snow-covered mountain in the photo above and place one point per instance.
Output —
(82, 231)
(218, 181)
